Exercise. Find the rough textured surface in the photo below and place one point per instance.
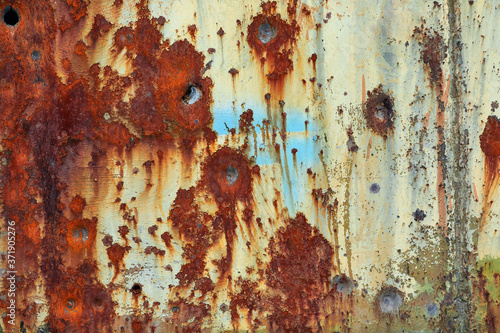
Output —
(284, 166)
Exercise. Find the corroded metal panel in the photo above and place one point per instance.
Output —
(281, 166)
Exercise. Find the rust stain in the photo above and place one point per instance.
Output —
(273, 39)
(379, 112)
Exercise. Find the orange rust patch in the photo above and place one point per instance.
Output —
(77, 204)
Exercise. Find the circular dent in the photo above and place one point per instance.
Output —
(266, 32)
(390, 301)
(70, 305)
(231, 174)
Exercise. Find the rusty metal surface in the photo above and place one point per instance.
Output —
(286, 166)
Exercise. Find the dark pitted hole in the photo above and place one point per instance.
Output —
(390, 301)
(175, 309)
(266, 32)
(35, 55)
(231, 174)
(432, 309)
(374, 188)
(136, 288)
(192, 95)
(70, 305)
(10, 16)
(224, 307)
(81, 234)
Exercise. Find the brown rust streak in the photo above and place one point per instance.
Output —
(433, 54)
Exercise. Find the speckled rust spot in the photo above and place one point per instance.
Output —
(433, 53)
(116, 253)
(273, 39)
(246, 119)
(227, 175)
(167, 239)
(379, 112)
(192, 31)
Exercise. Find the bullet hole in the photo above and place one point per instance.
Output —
(266, 32)
(432, 309)
(231, 174)
(343, 284)
(175, 309)
(70, 305)
(390, 301)
(419, 215)
(224, 307)
(136, 288)
(192, 95)
(35, 55)
(374, 188)
(81, 234)
(10, 16)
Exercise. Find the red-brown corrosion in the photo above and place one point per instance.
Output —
(299, 272)
(246, 119)
(79, 302)
(300, 268)
(433, 54)
(490, 138)
(227, 175)
(78, 8)
(379, 112)
(197, 228)
(99, 28)
(187, 316)
(192, 31)
(273, 40)
(182, 94)
(490, 145)
(116, 253)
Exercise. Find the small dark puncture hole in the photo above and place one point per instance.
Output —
(136, 288)
(10, 16)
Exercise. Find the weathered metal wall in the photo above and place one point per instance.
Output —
(288, 166)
